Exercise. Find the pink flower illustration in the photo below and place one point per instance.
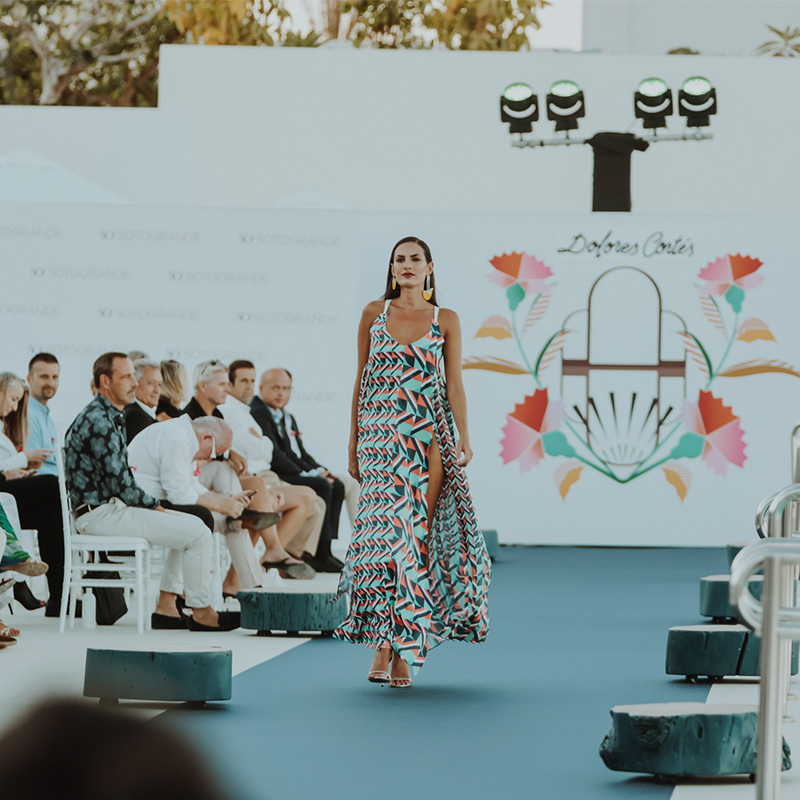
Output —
(728, 270)
(722, 434)
(528, 271)
(526, 425)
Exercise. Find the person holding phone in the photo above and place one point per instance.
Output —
(37, 496)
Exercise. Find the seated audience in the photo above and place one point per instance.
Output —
(76, 750)
(293, 463)
(231, 475)
(174, 390)
(13, 558)
(108, 501)
(303, 512)
(37, 496)
(43, 375)
(163, 457)
(142, 411)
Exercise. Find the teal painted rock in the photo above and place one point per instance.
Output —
(733, 549)
(714, 600)
(682, 739)
(492, 543)
(291, 611)
(715, 651)
(191, 676)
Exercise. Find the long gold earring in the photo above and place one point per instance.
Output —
(427, 292)
(394, 283)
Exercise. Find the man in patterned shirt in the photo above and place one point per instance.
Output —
(107, 500)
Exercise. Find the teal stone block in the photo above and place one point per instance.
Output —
(716, 651)
(291, 611)
(671, 740)
(733, 550)
(492, 543)
(714, 597)
(191, 676)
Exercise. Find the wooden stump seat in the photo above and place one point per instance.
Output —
(714, 600)
(715, 651)
(291, 612)
(671, 740)
(191, 675)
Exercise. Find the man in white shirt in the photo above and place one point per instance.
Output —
(303, 511)
(142, 411)
(162, 457)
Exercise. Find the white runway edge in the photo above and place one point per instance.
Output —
(746, 691)
(45, 663)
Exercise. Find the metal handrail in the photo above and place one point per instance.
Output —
(796, 453)
(777, 624)
(761, 515)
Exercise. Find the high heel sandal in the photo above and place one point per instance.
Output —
(26, 598)
(379, 675)
(393, 681)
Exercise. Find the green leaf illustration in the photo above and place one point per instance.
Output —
(515, 294)
(735, 296)
(689, 446)
(556, 444)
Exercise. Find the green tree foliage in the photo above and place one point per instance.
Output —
(81, 51)
(477, 25)
(248, 22)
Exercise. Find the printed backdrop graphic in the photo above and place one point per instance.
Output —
(186, 284)
(632, 380)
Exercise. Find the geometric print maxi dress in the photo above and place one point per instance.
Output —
(408, 586)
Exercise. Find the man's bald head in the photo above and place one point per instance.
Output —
(276, 387)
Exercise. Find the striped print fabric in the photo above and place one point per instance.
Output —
(408, 586)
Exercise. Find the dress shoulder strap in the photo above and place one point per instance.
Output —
(436, 313)
(386, 306)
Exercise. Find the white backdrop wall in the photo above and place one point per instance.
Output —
(285, 288)
(417, 131)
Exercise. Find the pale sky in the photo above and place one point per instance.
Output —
(561, 23)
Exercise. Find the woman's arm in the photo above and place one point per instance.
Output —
(456, 396)
(368, 316)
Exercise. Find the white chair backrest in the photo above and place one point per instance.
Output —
(67, 520)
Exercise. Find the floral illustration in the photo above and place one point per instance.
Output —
(719, 428)
(624, 436)
(530, 430)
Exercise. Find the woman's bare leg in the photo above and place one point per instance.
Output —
(400, 672)
(435, 478)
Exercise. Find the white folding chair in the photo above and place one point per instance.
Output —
(82, 558)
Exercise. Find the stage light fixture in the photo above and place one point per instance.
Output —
(565, 105)
(652, 103)
(519, 107)
(697, 101)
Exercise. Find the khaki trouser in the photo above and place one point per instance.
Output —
(219, 476)
(185, 536)
(306, 540)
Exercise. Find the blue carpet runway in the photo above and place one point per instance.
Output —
(574, 631)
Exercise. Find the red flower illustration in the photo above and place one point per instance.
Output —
(525, 427)
(728, 270)
(719, 426)
(528, 271)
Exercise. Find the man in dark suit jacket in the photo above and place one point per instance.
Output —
(142, 411)
(292, 462)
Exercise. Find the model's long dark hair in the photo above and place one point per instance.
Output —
(390, 293)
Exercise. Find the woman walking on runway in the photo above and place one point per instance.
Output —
(417, 571)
